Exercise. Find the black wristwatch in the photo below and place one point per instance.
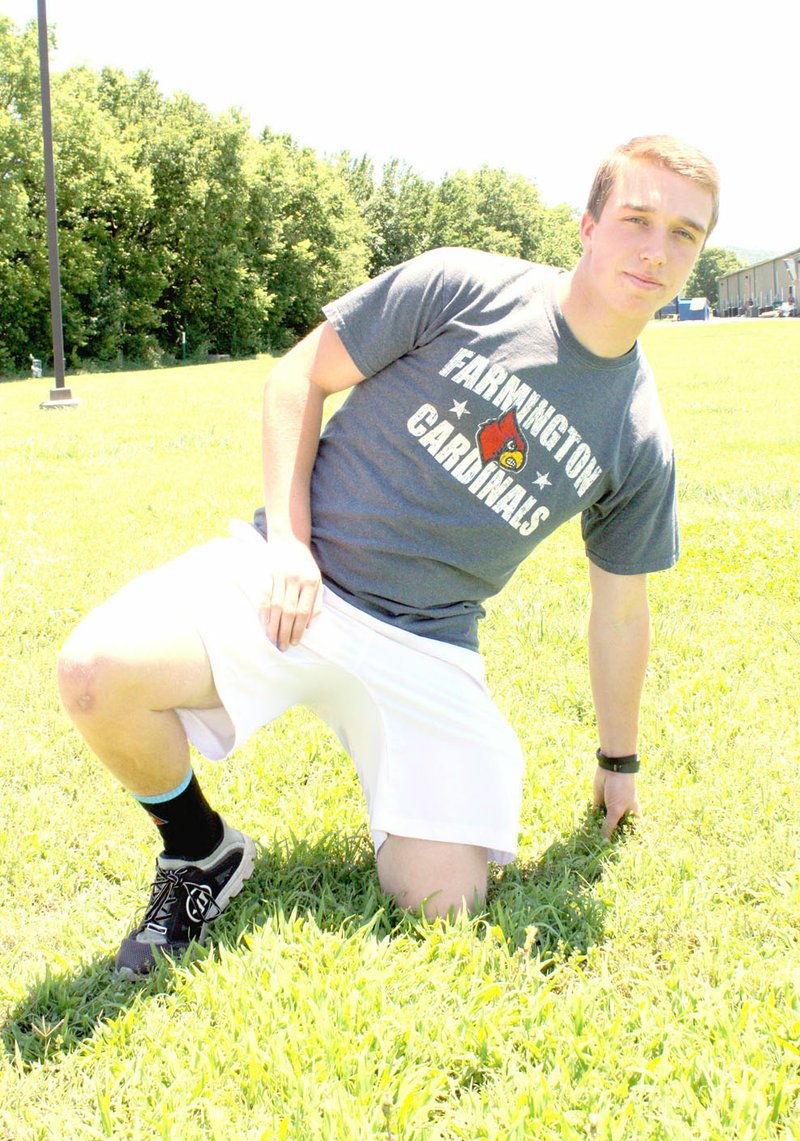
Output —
(618, 764)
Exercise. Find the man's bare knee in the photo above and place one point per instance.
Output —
(76, 684)
(87, 679)
(133, 654)
(438, 878)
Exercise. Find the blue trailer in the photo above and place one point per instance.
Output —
(694, 309)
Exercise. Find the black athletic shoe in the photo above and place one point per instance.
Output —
(185, 899)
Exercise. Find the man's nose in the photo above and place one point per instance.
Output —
(654, 248)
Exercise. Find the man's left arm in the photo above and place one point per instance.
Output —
(619, 647)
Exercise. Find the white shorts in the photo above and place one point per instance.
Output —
(435, 757)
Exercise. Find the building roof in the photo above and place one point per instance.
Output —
(766, 261)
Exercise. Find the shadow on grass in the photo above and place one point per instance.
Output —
(333, 881)
(549, 903)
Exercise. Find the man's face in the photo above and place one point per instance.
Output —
(643, 247)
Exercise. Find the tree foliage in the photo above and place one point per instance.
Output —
(175, 221)
(713, 263)
(489, 209)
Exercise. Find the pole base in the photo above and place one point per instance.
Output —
(60, 398)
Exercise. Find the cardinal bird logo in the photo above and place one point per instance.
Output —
(502, 441)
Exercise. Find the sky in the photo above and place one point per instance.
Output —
(446, 86)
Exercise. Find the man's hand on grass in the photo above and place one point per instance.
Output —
(616, 792)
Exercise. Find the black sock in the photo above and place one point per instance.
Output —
(189, 827)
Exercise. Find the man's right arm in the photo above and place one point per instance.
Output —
(294, 395)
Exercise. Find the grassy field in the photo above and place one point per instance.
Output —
(645, 990)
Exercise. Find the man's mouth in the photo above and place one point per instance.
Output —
(644, 282)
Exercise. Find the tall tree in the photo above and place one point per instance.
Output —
(502, 213)
(395, 206)
(559, 240)
(111, 282)
(713, 263)
(309, 233)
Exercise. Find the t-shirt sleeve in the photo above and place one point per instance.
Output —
(635, 529)
(392, 314)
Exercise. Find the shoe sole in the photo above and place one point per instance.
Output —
(231, 890)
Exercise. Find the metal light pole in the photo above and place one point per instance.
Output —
(60, 396)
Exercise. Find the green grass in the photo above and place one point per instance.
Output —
(649, 989)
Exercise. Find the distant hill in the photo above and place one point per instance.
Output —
(751, 257)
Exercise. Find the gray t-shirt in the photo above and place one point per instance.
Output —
(483, 425)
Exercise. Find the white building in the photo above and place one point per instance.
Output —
(757, 288)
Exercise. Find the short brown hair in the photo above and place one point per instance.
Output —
(661, 150)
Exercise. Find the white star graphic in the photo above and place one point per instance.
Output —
(543, 480)
(460, 408)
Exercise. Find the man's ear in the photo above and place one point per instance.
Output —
(588, 224)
